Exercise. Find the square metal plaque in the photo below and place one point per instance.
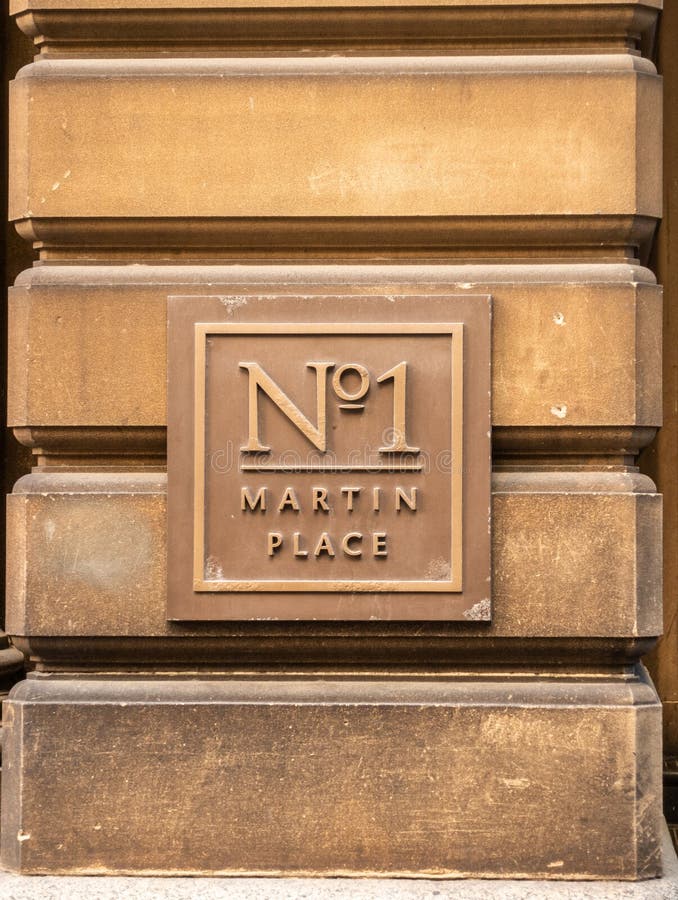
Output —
(329, 457)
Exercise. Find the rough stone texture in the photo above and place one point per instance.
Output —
(11, 665)
(575, 556)
(661, 461)
(505, 778)
(545, 151)
(88, 347)
(31, 887)
(431, 139)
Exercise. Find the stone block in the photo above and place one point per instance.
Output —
(573, 346)
(363, 147)
(576, 575)
(508, 778)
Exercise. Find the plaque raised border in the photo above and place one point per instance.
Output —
(194, 593)
(202, 330)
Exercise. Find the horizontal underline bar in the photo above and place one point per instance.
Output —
(292, 469)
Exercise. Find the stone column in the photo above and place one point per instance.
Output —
(242, 149)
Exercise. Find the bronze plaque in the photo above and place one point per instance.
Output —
(329, 457)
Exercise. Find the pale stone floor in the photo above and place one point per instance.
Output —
(17, 887)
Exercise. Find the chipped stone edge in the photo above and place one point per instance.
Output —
(480, 611)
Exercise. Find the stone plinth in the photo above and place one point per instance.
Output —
(446, 777)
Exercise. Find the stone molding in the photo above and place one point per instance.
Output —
(203, 27)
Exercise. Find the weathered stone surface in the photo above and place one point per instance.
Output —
(661, 462)
(572, 345)
(111, 887)
(576, 556)
(507, 778)
(11, 666)
(431, 139)
(199, 27)
(402, 148)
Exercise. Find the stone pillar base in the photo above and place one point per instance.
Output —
(11, 665)
(501, 777)
(27, 887)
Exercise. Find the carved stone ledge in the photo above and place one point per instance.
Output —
(83, 447)
(587, 239)
(269, 275)
(569, 445)
(406, 648)
(198, 28)
(544, 446)
(572, 482)
(11, 670)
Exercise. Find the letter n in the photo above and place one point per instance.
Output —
(258, 379)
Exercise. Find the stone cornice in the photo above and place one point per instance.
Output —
(131, 28)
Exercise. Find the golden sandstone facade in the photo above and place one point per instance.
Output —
(336, 163)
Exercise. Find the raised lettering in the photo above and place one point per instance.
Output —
(346, 547)
(379, 543)
(399, 443)
(316, 434)
(320, 500)
(350, 493)
(275, 540)
(289, 498)
(247, 501)
(324, 545)
(341, 391)
(410, 501)
(296, 538)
